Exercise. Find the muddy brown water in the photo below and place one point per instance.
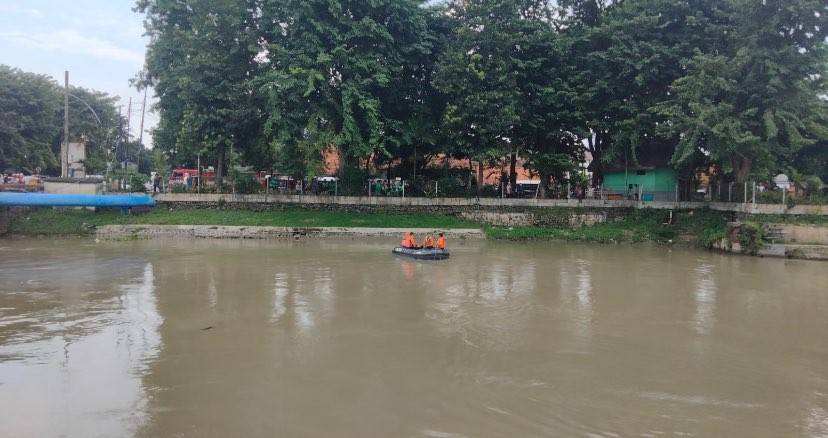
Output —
(231, 338)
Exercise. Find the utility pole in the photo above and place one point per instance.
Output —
(126, 147)
(64, 147)
(141, 133)
(120, 133)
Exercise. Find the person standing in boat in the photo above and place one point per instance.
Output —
(428, 243)
(408, 241)
(441, 241)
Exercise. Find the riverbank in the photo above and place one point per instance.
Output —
(761, 234)
(132, 232)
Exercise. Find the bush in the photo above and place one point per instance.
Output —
(245, 184)
(137, 182)
(750, 237)
(769, 197)
(351, 182)
(452, 187)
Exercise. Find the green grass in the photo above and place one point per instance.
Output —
(48, 221)
(786, 219)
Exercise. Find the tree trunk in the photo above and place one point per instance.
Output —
(512, 170)
(544, 181)
(741, 168)
(220, 166)
(479, 178)
(596, 148)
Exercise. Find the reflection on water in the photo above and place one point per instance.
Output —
(77, 332)
(340, 338)
(705, 295)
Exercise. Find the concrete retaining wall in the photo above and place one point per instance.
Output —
(453, 203)
(806, 234)
(553, 219)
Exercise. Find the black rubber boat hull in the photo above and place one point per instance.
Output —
(421, 254)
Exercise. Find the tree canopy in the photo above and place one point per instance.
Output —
(31, 123)
(732, 83)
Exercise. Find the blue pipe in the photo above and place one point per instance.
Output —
(74, 200)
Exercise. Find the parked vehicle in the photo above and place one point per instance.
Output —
(179, 176)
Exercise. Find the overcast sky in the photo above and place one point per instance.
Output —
(100, 43)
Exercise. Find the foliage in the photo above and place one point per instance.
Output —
(334, 69)
(709, 225)
(31, 123)
(755, 100)
(137, 182)
(750, 238)
(478, 73)
(199, 60)
(391, 84)
(352, 182)
(30, 109)
(158, 160)
(244, 183)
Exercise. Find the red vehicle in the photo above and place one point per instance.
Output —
(179, 176)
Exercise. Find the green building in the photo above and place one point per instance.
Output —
(653, 183)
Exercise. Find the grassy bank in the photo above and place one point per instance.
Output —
(689, 227)
(57, 222)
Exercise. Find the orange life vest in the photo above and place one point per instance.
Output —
(408, 241)
(429, 241)
(441, 242)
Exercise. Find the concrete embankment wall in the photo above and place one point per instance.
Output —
(465, 204)
(517, 214)
(804, 234)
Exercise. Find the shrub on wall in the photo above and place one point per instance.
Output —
(750, 238)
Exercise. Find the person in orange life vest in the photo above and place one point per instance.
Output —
(441, 241)
(429, 241)
(408, 241)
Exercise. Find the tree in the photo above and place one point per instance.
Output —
(548, 120)
(30, 120)
(478, 74)
(200, 61)
(756, 100)
(627, 55)
(331, 67)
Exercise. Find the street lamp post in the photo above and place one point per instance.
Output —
(64, 147)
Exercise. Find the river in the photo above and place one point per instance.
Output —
(322, 338)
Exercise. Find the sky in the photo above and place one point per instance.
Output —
(100, 43)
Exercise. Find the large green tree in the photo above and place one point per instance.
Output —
(546, 134)
(32, 120)
(478, 72)
(332, 69)
(200, 60)
(757, 99)
(626, 56)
